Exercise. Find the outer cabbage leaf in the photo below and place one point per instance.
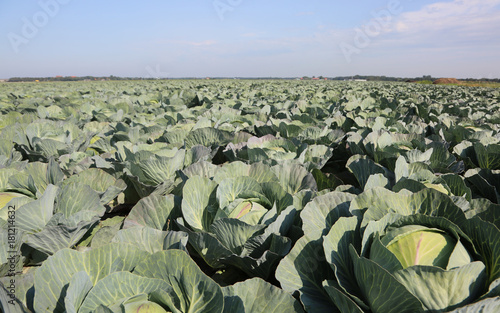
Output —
(50, 289)
(193, 290)
(257, 295)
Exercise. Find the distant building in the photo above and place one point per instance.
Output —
(3, 80)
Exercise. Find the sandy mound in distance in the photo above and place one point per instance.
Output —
(447, 81)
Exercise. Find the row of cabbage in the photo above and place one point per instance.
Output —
(249, 196)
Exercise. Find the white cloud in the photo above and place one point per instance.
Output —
(444, 38)
(201, 43)
(459, 16)
(252, 34)
(453, 38)
(308, 13)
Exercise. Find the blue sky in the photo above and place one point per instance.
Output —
(250, 38)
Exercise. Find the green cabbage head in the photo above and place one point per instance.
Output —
(144, 307)
(431, 260)
(420, 245)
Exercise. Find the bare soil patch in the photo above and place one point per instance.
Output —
(442, 81)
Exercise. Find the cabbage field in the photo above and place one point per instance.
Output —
(249, 196)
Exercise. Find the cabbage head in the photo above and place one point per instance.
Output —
(395, 252)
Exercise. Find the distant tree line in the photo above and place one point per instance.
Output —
(355, 77)
(67, 78)
(408, 79)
